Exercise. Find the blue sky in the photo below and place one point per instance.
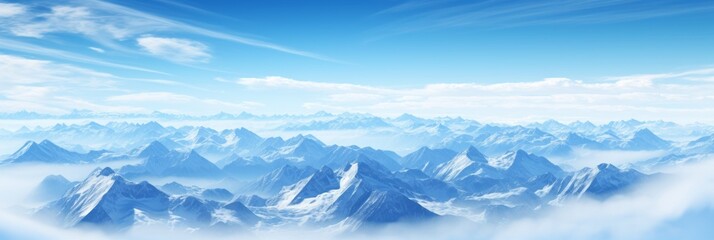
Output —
(489, 60)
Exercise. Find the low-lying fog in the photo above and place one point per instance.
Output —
(678, 205)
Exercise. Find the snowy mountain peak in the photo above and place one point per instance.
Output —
(600, 182)
(25, 148)
(152, 125)
(607, 166)
(427, 159)
(274, 181)
(366, 165)
(47, 143)
(107, 171)
(244, 133)
(522, 165)
(45, 151)
(468, 162)
(193, 154)
(644, 133)
(473, 154)
(304, 139)
(319, 182)
(644, 139)
(385, 207)
(107, 199)
(407, 116)
(155, 148)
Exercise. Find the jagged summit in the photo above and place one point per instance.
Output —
(105, 198)
(522, 165)
(468, 162)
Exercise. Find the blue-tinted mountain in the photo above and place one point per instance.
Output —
(468, 162)
(703, 145)
(48, 152)
(271, 183)
(644, 139)
(601, 182)
(382, 207)
(217, 194)
(249, 168)
(339, 156)
(159, 163)
(427, 159)
(316, 184)
(51, 188)
(108, 200)
(522, 165)
(430, 188)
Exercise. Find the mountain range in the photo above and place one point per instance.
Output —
(256, 182)
(93, 142)
(361, 194)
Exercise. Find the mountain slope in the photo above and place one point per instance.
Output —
(45, 152)
(600, 182)
(387, 207)
(51, 188)
(521, 165)
(468, 162)
(159, 162)
(105, 198)
(271, 183)
(427, 159)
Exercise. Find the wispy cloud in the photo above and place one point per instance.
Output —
(60, 54)
(11, 9)
(169, 100)
(19, 70)
(505, 14)
(175, 49)
(649, 96)
(108, 24)
(151, 96)
(96, 49)
(282, 82)
(51, 87)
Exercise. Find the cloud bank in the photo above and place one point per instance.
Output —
(680, 96)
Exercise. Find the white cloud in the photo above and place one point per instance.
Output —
(282, 82)
(96, 49)
(27, 93)
(20, 70)
(152, 96)
(54, 53)
(175, 49)
(188, 104)
(665, 96)
(630, 216)
(11, 9)
(355, 97)
(108, 24)
(49, 87)
(72, 19)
